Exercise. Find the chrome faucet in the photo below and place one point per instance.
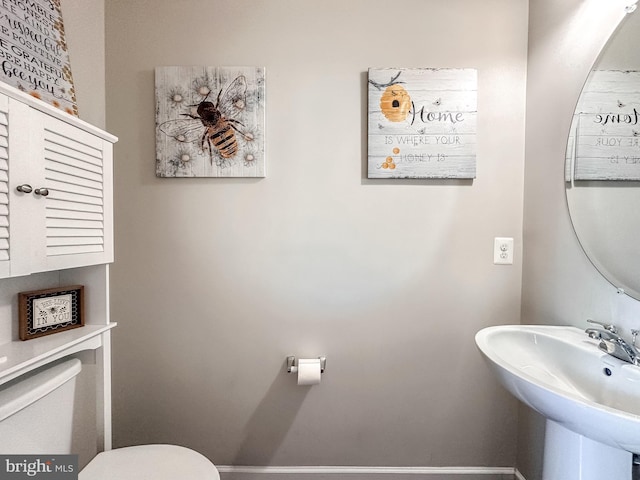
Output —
(614, 344)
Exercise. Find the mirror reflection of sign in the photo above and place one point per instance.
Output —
(607, 127)
(52, 310)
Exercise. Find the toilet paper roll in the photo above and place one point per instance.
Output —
(309, 371)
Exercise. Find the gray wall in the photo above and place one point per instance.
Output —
(84, 32)
(560, 286)
(217, 280)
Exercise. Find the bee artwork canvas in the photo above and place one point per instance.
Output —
(210, 121)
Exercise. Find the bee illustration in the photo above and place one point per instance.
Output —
(212, 123)
(395, 101)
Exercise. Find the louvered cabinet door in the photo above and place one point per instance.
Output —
(56, 190)
(5, 239)
(78, 205)
(18, 213)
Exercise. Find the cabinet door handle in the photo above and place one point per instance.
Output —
(41, 191)
(26, 188)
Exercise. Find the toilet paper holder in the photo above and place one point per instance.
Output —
(292, 367)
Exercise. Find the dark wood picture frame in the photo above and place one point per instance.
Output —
(53, 310)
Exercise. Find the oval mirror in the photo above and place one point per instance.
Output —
(602, 171)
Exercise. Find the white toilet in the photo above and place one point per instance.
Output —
(36, 417)
(162, 462)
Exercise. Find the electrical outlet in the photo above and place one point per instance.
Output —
(503, 251)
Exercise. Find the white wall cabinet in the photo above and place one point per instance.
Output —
(56, 184)
(56, 229)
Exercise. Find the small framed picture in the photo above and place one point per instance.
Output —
(43, 312)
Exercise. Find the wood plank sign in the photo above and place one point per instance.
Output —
(607, 127)
(422, 123)
(210, 122)
(33, 51)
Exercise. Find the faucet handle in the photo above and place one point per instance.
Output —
(634, 335)
(607, 326)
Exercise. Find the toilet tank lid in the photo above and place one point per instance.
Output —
(31, 387)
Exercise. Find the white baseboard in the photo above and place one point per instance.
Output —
(231, 472)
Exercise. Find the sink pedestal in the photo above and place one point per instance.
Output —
(570, 456)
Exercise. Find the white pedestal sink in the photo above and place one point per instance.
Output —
(591, 400)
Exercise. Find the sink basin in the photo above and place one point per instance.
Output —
(561, 373)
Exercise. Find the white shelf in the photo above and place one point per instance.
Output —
(54, 112)
(22, 357)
